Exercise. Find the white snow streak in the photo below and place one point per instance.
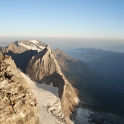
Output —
(32, 47)
(34, 41)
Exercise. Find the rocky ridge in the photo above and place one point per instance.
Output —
(17, 102)
(22, 46)
(79, 75)
(43, 68)
(49, 104)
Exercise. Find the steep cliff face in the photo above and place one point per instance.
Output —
(17, 102)
(44, 68)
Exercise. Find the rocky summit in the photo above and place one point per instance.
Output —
(22, 46)
(44, 68)
(17, 102)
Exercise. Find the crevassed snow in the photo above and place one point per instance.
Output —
(44, 97)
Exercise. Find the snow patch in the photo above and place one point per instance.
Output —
(34, 41)
(32, 47)
(83, 115)
(42, 47)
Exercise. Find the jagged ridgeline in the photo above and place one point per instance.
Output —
(36, 59)
(22, 51)
(44, 68)
(17, 102)
(57, 70)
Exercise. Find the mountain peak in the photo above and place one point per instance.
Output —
(45, 69)
(24, 45)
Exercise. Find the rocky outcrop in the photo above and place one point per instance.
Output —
(44, 68)
(17, 102)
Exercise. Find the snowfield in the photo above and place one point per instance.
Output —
(50, 88)
(45, 95)
(34, 45)
(34, 41)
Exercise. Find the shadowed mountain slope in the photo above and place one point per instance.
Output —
(88, 81)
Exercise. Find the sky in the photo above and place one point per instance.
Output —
(102, 19)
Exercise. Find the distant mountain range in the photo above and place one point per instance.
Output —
(106, 63)
(110, 65)
(117, 48)
(88, 54)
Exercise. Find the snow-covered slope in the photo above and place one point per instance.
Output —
(32, 44)
(47, 100)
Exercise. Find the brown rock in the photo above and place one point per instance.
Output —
(44, 68)
(15, 100)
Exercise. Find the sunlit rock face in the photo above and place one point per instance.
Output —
(44, 68)
(17, 102)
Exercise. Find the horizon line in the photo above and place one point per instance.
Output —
(53, 37)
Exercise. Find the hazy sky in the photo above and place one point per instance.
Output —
(62, 18)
